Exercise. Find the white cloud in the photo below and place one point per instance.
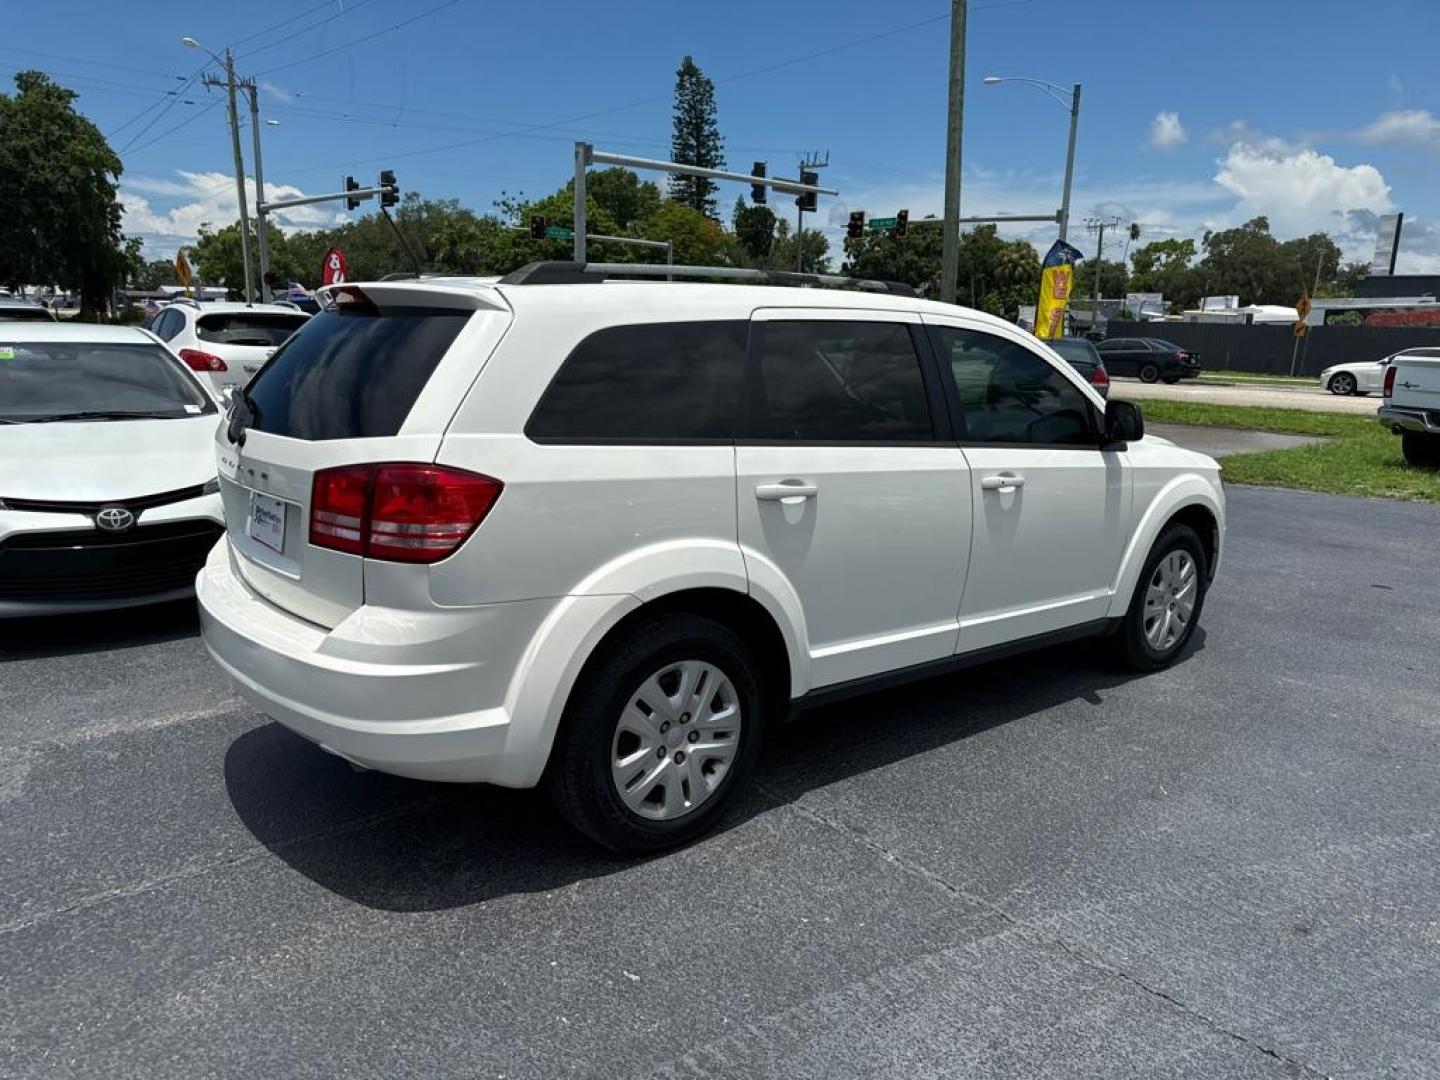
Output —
(196, 198)
(1300, 191)
(276, 92)
(1166, 132)
(1404, 127)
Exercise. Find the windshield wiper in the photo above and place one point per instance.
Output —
(104, 414)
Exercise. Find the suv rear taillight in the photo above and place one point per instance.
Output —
(196, 360)
(1099, 377)
(399, 512)
(1390, 380)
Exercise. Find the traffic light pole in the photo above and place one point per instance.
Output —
(586, 155)
(353, 193)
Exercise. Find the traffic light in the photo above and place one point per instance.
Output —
(537, 226)
(757, 191)
(807, 201)
(351, 202)
(902, 222)
(391, 195)
(856, 228)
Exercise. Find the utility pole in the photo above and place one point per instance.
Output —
(1069, 162)
(950, 251)
(1098, 225)
(230, 86)
(261, 229)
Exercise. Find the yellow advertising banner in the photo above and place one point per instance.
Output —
(1057, 278)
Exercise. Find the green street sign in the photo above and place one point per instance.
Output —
(882, 224)
(559, 232)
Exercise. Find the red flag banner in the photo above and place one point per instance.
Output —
(335, 268)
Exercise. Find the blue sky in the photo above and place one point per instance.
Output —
(1194, 115)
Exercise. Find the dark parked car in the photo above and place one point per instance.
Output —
(1149, 359)
(1083, 357)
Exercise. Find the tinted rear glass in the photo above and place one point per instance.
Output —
(353, 373)
(20, 313)
(42, 378)
(247, 328)
(646, 382)
(1077, 352)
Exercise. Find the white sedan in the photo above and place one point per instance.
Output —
(1361, 377)
(108, 492)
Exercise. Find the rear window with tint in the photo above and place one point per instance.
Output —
(670, 381)
(247, 328)
(352, 374)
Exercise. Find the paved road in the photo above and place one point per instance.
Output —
(1311, 399)
(1038, 869)
(1221, 442)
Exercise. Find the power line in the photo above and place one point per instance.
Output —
(170, 131)
(304, 29)
(361, 40)
(284, 23)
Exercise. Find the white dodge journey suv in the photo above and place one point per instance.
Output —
(601, 534)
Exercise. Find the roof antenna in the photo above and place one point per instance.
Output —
(403, 242)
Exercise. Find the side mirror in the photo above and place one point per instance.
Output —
(1123, 422)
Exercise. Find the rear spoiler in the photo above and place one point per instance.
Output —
(412, 293)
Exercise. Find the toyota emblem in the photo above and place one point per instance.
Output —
(114, 519)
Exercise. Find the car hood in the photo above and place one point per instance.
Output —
(94, 460)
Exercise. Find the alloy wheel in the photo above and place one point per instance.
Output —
(675, 740)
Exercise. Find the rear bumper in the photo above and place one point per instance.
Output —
(417, 694)
(1399, 418)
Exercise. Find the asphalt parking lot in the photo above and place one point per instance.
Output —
(1038, 869)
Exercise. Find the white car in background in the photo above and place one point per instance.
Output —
(108, 493)
(1361, 377)
(225, 343)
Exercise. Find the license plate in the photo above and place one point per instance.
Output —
(267, 521)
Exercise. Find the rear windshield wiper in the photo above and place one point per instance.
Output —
(104, 414)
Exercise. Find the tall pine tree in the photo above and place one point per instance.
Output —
(696, 139)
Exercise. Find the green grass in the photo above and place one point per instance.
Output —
(1362, 458)
(1253, 378)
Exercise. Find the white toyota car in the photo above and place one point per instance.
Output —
(602, 534)
(108, 495)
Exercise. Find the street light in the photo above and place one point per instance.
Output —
(1073, 106)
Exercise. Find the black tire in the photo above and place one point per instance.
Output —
(1342, 384)
(1149, 373)
(1420, 449)
(1134, 650)
(1171, 380)
(579, 777)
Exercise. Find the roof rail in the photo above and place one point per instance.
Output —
(573, 273)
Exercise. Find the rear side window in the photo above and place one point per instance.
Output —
(353, 373)
(247, 328)
(838, 381)
(654, 381)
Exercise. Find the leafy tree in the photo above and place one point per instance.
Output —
(754, 231)
(1348, 277)
(698, 240)
(814, 250)
(58, 176)
(1303, 263)
(1165, 266)
(218, 260)
(151, 274)
(622, 195)
(1018, 263)
(696, 138)
(1113, 278)
(913, 259)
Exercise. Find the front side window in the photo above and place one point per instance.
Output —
(648, 382)
(1011, 395)
(46, 380)
(837, 382)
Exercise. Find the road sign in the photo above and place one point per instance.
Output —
(882, 224)
(1302, 308)
(1300, 328)
(559, 232)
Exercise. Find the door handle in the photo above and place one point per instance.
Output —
(1002, 482)
(788, 491)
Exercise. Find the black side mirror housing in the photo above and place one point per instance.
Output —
(1124, 422)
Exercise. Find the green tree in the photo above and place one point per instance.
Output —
(622, 195)
(151, 274)
(1304, 265)
(1165, 266)
(1113, 278)
(1348, 277)
(698, 240)
(217, 257)
(913, 259)
(754, 231)
(696, 138)
(61, 219)
(814, 250)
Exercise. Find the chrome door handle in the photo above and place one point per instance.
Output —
(786, 491)
(1002, 482)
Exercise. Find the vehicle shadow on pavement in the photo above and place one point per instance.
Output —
(38, 637)
(402, 845)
